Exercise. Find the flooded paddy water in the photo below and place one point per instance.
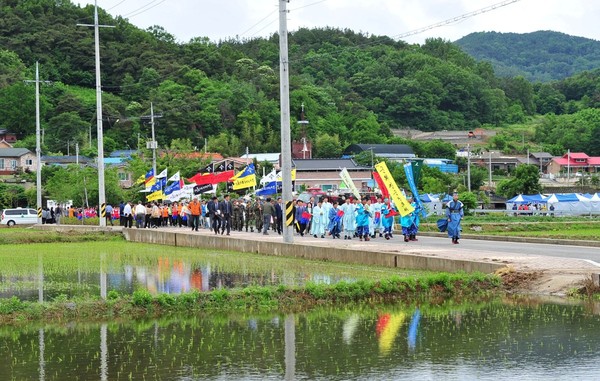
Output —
(522, 338)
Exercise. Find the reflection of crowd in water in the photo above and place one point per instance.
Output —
(351, 218)
(176, 276)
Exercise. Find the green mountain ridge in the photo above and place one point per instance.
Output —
(355, 88)
(538, 56)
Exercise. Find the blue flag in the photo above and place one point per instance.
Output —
(413, 188)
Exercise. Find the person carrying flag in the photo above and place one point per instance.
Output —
(387, 212)
(335, 220)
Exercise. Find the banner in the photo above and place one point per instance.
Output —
(162, 174)
(210, 168)
(140, 180)
(269, 177)
(149, 180)
(211, 178)
(158, 195)
(413, 188)
(184, 193)
(349, 183)
(204, 188)
(245, 179)
(175, 186)
(396, 195)
(416, 169)
(269, 189)
(293, 175)
(385, 193)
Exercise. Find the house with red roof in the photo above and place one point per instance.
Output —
(574, 162)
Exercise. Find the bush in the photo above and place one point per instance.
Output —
(141, 298)
(11, 305)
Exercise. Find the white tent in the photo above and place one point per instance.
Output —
(571, 204)
(432, 204)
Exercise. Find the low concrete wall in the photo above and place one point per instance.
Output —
(313, 252)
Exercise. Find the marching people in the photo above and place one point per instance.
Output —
(268, 210)
(362, 219)
(454, 213)
(410, 222)
(195, 211)
(387, 212)
(335, 220)
(349, 218)
(376, 223)
(140, 215)
(319, 221)
(301, 217)
(279, 216)
(258, 215)
(226, 209)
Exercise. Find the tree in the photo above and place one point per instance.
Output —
(327, 146)
(526, 180)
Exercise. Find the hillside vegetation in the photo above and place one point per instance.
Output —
(539, 56)
(355, 88)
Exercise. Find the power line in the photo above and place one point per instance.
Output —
(456, 19)
(143, 9)
(260, 21)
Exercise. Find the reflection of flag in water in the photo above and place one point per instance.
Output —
(413, 328)
(387, 329)
(349, 328)
(338, 216)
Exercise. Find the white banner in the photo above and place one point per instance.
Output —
(349, 183)
(185, 193)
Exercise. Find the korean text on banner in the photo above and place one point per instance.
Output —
(400, 201)
(349, 183)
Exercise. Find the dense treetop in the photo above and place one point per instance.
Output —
(539, 56)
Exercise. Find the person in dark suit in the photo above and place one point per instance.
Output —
(212, 208)
(279, 216)
(226, 209)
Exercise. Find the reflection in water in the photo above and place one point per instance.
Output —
(495, 341)
(166, 275)
(387, 329)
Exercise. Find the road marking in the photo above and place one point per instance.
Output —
(592, 262)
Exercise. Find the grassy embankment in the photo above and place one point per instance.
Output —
(576, 228)
(369, 285)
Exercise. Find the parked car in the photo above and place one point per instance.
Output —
(18, 216)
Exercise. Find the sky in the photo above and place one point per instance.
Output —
(244, 19)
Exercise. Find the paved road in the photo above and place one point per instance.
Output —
(518, 248)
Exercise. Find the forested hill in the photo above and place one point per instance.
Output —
(539, 56)
(355, 87)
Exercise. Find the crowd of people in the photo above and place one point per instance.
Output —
(350, 218)
(365, 219)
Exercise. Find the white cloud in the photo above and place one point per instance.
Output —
(250, 18)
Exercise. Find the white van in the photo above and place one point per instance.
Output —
(18, 216)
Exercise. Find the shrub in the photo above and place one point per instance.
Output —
(141, 298)
(11, 305)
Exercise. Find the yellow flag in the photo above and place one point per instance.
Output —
(158, 195)
(140, 180)
(244, 182)
(293, 175)
(404, 207)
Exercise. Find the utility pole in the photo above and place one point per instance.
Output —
(490, 183)
(101, 187)
(38, 148)
(469, 167)
(154, 145)
(286, 149)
